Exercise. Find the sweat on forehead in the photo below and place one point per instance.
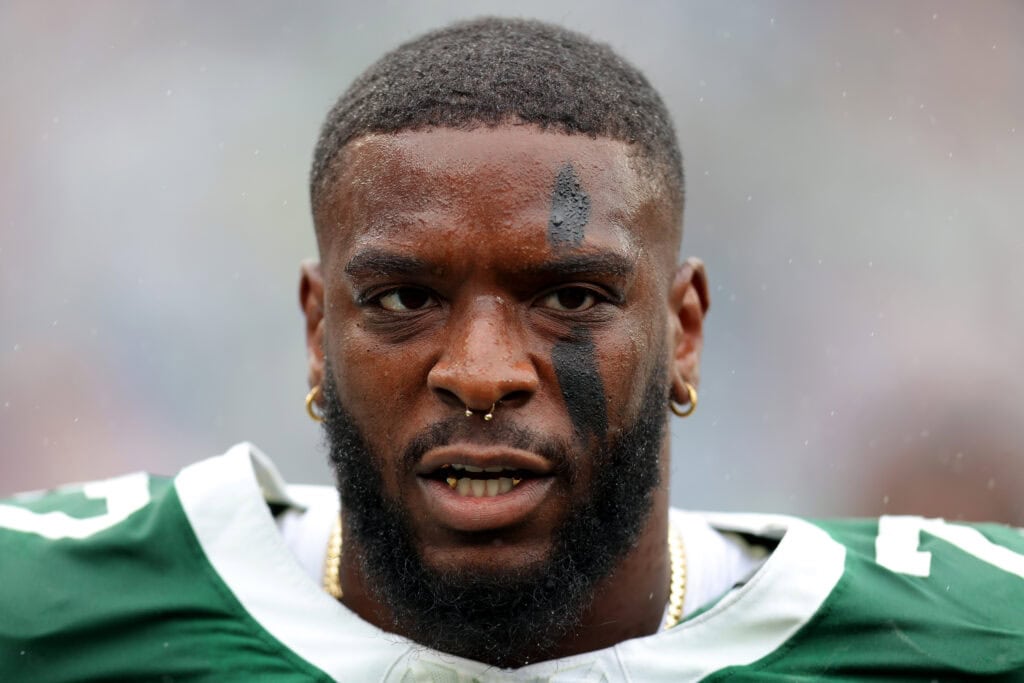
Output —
(497, 71)
(558, 179)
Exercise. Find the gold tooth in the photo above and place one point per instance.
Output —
(452, 481)
(515, 482)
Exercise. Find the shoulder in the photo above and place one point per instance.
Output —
(109, 580)
(923, 595)
(902, 598)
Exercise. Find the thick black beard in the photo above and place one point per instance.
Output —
(504, 618)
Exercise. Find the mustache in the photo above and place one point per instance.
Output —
(458, 429)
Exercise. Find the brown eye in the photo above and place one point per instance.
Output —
(570, 299)
(405, 299)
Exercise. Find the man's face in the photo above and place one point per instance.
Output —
(505, 267)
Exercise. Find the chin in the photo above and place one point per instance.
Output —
(494, 558)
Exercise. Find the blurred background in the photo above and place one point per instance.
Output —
(855, 185)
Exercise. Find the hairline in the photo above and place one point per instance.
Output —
(644, 164)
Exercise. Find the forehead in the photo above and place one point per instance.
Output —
(481, 180)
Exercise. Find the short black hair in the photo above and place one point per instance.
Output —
(491, 71)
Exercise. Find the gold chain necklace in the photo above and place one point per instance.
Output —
(676, 553)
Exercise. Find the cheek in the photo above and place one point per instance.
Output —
(626, 365)
(372, 378)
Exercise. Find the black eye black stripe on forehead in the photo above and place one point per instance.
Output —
(570, 209)
(575, 362)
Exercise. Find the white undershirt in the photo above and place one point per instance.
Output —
(715, 561)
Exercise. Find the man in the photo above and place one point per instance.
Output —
(497, 331)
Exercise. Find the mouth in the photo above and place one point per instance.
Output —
(479, 488)
(480, 482)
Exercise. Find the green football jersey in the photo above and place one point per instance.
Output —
(188, 578)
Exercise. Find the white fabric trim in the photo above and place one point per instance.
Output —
(753, 620)
(233, 524)
(224, 505)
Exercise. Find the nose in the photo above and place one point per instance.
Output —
(485, 361)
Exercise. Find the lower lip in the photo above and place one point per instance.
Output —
(468, 513)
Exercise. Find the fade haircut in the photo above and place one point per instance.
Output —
(492, 71)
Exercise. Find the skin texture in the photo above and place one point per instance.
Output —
(570, 209)
(456, 225)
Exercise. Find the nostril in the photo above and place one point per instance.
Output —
(515, 398)
(448, 397)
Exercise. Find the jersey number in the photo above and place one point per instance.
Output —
(896, 547)
(123, 496)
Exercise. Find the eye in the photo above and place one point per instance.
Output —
(405, 299)
(571, 299)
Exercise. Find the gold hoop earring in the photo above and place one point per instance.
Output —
(691, 406)
(310, 399)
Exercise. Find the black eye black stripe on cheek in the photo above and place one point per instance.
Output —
(575, 363)
(570, 209)
(575, 357)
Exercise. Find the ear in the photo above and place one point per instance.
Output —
(688, 304)
(311, 300)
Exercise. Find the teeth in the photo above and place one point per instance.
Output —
(474, 468)
(482, 488)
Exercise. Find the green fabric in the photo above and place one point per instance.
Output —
(965, 621)
(139, 601)
(134, 602)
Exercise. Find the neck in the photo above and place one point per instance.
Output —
(628, 603)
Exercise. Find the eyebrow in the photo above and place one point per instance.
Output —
(383, 262)
(374, 261)
(587, 263)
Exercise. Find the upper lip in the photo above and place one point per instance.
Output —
(483, 456)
